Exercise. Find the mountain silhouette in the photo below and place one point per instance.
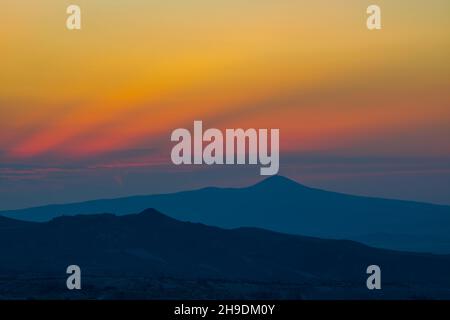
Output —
(153, 245)
(7, 223)
(283, 205)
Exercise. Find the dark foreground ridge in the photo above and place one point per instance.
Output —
(283, 205)
(150, 255)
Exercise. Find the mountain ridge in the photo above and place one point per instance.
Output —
(281, 204)
(151, 245)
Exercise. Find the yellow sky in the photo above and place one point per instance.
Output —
(138, 68)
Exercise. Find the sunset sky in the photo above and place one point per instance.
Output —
(87, 114)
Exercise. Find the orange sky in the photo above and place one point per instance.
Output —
(139, 69)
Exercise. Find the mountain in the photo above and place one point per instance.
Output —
(283, 205)
(7, 223)
(150, 246)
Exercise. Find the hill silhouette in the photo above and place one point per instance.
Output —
(283, 205)
(151, 245)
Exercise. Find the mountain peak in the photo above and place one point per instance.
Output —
(155, 215)
(277, 181)
(151, 211)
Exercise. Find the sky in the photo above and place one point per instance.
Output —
(88, 114)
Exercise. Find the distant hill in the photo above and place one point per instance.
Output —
(283, 205)
(151, 245)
